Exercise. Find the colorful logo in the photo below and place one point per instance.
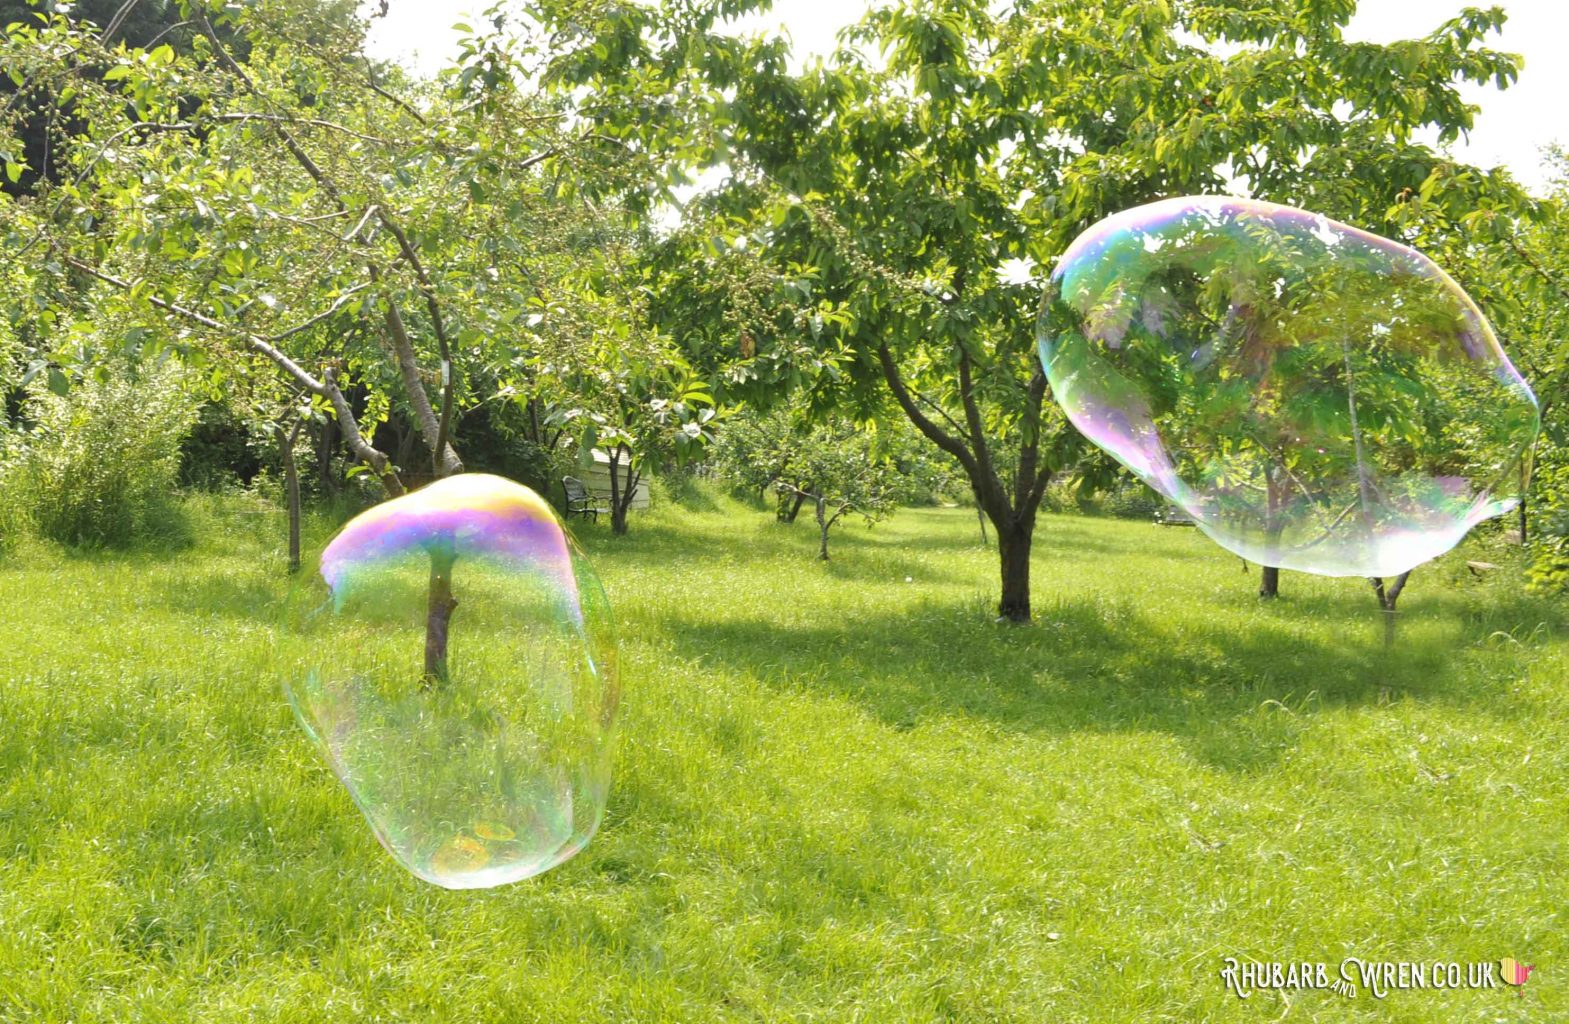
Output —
(1515, 973)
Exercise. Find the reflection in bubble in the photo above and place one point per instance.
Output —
(1317, 397)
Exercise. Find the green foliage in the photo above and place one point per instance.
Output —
(14, 520)
(754, 451)
(288, 200)
(100, 465)
(1549, 570)
(1516, 265)
(888, 186)
(837, 466)
(219, 451)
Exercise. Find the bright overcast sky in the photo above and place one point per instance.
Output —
(1510, 130)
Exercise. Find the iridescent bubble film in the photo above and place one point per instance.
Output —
(1316, 397)
(454, 664)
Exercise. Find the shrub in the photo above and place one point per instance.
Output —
(100, 465)
(13, 513)
(1549, 571)
(219, 451)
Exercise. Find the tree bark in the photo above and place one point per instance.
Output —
(446, 461)
(1387, 596)
(1013, 546)
(1011, 510)
(822, 527)
(795, 502)
(291, 491)
(440, 605)
(621, 496)
(327, 443)
(1523, 537)
(1269, 579)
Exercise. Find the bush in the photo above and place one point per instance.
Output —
(100, 465)
(1549, 519)
(219, 451)
(492, 442)
(13, 513)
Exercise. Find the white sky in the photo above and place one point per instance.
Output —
(1510, 130)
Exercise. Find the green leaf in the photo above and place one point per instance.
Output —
(58, 382)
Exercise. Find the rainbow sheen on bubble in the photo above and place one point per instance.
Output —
(453, 661)
(1316, 397)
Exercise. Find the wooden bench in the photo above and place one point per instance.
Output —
(579, 501)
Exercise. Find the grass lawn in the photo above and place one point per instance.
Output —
(843, 792)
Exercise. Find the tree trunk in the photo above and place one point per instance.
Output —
(329, 444)
(1013, 547)
(822, 527)
(621, 496)
(291, 491)
(1387, 596)
(1523, 537)
(1012, 514)
(438, 611)
(1269, 579)
(405, 456)
(795, 507)
(981, 516)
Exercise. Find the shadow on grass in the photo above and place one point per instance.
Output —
(1234, 694)
(858, 556)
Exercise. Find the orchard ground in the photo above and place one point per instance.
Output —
(843, 792)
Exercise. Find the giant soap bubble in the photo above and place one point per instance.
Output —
(1317, 397)
(454, 664)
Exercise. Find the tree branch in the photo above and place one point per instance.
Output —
(443, 458)
(938, 436)
(1030, 485)
(319, 317)
(972, 418)
(325, 387)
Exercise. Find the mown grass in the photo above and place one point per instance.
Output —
(843, 793)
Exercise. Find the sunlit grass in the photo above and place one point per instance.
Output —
(843, 792)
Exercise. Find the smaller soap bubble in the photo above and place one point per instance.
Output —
(1316, 397)
(453, 661)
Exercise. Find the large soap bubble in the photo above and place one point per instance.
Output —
(454, 664)
(1317, 397)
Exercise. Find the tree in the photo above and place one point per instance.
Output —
(946, 138)
(842, 467)
(847, 475)
(757, 452)
(302, 209)
(1515, 263)
(639, 409)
